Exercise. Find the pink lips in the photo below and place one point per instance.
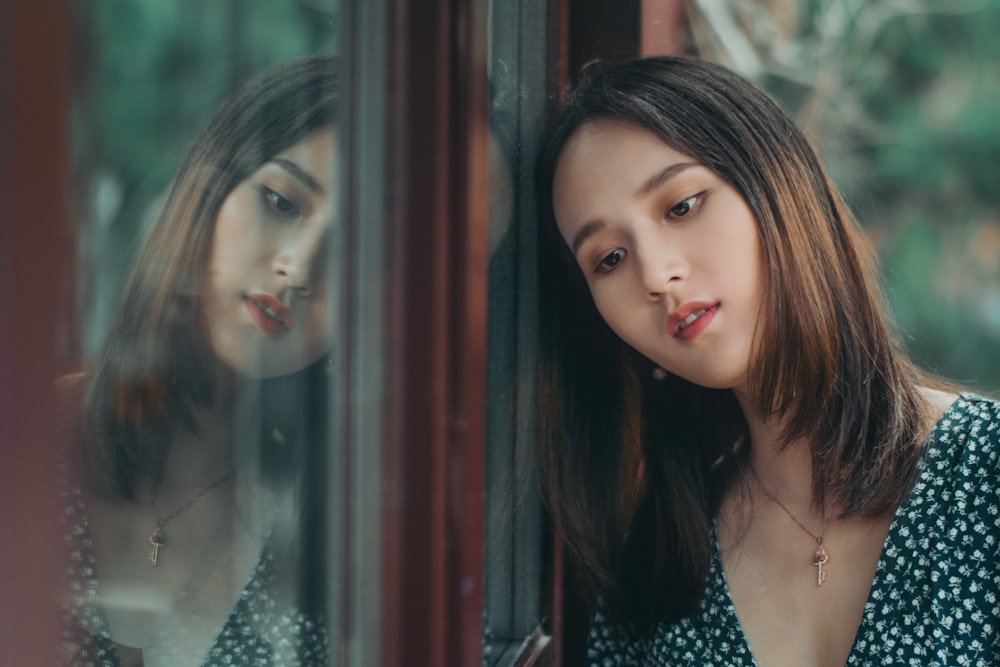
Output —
(691, 319)
(272, 316)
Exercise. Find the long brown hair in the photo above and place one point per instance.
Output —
(156, 366)
(634, 470)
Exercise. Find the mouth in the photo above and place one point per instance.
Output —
(690, 320)
(268, 313)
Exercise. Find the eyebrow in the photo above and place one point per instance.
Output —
(585, 232)
(657, 179)
(299, 173)
(650, 184)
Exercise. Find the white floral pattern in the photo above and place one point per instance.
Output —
(934, 598)
(259, 631)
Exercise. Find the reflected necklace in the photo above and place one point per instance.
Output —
(820, 557)
(158, 538)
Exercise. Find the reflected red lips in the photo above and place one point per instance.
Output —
(269, 313)
(691, 319)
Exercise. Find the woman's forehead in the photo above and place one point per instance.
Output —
(612, 149)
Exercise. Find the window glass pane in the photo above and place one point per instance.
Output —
(206, 152)
(517, 547)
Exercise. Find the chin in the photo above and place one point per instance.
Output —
(722, 382)
(708, 383)
(264, 362)
(713, 381)
(256, 369)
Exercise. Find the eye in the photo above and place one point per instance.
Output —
(281, 205)
(610, 261)
(683, 208)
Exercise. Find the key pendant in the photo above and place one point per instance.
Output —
(157, 539)
(820, 559)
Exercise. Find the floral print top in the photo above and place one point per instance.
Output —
(259, 632)
(934, 598)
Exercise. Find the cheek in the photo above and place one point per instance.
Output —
(617, 313)
(232, 256)
(753, 263)
(319, 329)
(236, 238)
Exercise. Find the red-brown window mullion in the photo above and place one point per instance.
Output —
(36, 264)
(471, 192)
(435, 353)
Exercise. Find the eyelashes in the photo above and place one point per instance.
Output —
(685, 207)
(676, 212)
(610, 261)
(279, 204)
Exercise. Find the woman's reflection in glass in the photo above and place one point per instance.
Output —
(193, 522)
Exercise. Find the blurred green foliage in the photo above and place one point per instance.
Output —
(902, 99)
(150, 73)
(931, 195)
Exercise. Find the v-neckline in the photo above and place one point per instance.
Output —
(93, 583)
(901, 563)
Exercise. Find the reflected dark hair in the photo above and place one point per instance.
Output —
(633, 469)
(156, 367)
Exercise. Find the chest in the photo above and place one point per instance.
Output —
(172, 611)
(787, 617)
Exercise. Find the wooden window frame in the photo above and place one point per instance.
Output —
(436, 245)
(36, 266)
(418, 80)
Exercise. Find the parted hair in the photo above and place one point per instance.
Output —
(633, 470)
(156, 366)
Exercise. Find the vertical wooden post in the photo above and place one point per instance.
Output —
(435, 355)
(662, 28)
(36, 257)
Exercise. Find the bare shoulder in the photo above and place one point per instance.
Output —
(70, 387)
(937, 401)
(70, 380)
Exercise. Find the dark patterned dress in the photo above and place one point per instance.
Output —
(260, 631)
(935, 598)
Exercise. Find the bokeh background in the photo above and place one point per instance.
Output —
(149, 74)
(902, 99)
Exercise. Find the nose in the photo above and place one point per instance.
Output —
(661, 267)
(299, 259)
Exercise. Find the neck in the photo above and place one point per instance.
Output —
(201, 456)
(784, 470)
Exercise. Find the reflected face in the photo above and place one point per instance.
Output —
(670, 250)
(266, 304)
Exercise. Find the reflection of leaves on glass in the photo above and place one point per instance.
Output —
(900, 98)
(151, 74)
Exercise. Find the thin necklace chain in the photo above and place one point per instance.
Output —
(820, 557)
(195, 499)
(158, 538)
(818, 538)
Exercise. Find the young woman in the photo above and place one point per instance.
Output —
(745, 465)
(191, 512)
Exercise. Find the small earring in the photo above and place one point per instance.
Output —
(660, 374)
